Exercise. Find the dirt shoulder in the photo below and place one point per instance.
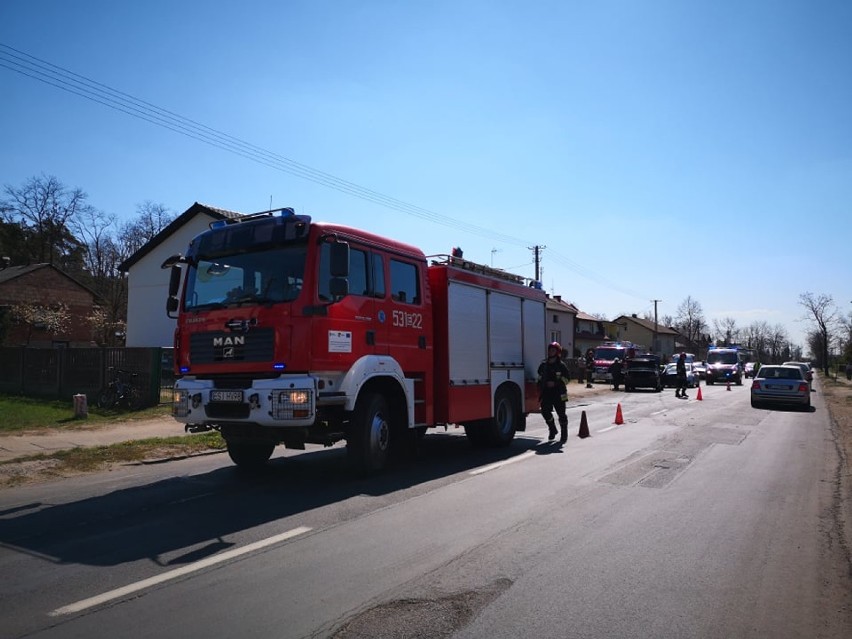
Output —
(838, 399)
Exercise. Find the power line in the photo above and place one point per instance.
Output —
(65, 80)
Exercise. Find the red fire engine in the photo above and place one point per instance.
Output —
(297, 332)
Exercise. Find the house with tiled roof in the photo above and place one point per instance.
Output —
(657, 338)
(45, 285)
(588, 333)
(560, 323)
(148, 283)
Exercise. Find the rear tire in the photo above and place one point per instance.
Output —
(107, 398)
(502, 427)
(249, 455)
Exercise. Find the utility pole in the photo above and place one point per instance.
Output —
(493, 251)
(537, 252)
(656, 328)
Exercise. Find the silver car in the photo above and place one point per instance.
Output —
(784, 385)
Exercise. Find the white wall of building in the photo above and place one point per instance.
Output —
(148, 288)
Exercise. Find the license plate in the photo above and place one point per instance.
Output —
(226, 396)
(776, 387)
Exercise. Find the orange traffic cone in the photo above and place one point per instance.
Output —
(698, 397)
(619, 419)
(729, 384)
(584, 427)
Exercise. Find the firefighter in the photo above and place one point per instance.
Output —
(590, 367)
(681, 376)
(553, 374)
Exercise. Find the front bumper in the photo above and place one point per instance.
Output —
(279, 402)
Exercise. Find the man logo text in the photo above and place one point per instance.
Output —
(238, 340)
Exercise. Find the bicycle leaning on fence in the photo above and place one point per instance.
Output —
(120, 392)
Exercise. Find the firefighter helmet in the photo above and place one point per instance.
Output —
(557, 346)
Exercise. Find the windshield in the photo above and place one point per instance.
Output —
(722, 357)
(608, 353)
(264, 277)
(642, 363)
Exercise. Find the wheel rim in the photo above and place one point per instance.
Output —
(379, 433)
(504, 417)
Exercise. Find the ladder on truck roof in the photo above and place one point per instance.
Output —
(481, 269)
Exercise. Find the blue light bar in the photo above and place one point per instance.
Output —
(184, 369)
(279, 366)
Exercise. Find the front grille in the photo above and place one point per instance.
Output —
(223, 346)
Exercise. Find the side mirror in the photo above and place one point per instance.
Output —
(339, 260)
(174, 280)
(172, 302)
(172, 305)
(338, 287)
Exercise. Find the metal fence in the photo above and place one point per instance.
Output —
(61, 373)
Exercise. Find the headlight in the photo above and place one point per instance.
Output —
(291, 404)
(180, 404)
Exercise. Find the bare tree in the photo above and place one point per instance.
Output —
(821, 311)
(45, 209)
(151, 218)
(689, 321)
(726, 330)
(777, 344)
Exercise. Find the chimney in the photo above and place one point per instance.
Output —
(558, 298)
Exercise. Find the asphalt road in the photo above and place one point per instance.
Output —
(692, 519)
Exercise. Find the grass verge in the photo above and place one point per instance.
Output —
(75, 461)
(20, 414)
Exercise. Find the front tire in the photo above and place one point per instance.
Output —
(249, 455)
(369, 442)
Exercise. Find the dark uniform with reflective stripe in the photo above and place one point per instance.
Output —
(553, 374)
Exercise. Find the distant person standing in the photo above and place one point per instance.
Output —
(590, 367)
(553, 374)
(681, 376)
(615, 370)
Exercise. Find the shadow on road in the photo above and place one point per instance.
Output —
(197, 512)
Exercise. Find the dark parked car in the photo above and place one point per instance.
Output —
(642, 372)
(806, 369)
(780, 385)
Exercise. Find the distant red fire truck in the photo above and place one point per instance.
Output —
(295, 332)
(607, 352)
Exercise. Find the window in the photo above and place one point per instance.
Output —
(378, 275)
(366, 273)
(404, 284)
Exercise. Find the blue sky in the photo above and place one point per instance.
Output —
(657, 149)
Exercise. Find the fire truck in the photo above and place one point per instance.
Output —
(607, 352)
(296, 332)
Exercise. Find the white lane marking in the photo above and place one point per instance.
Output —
(660, 412)
(174, 574)
(520, 457)
(603, 430)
